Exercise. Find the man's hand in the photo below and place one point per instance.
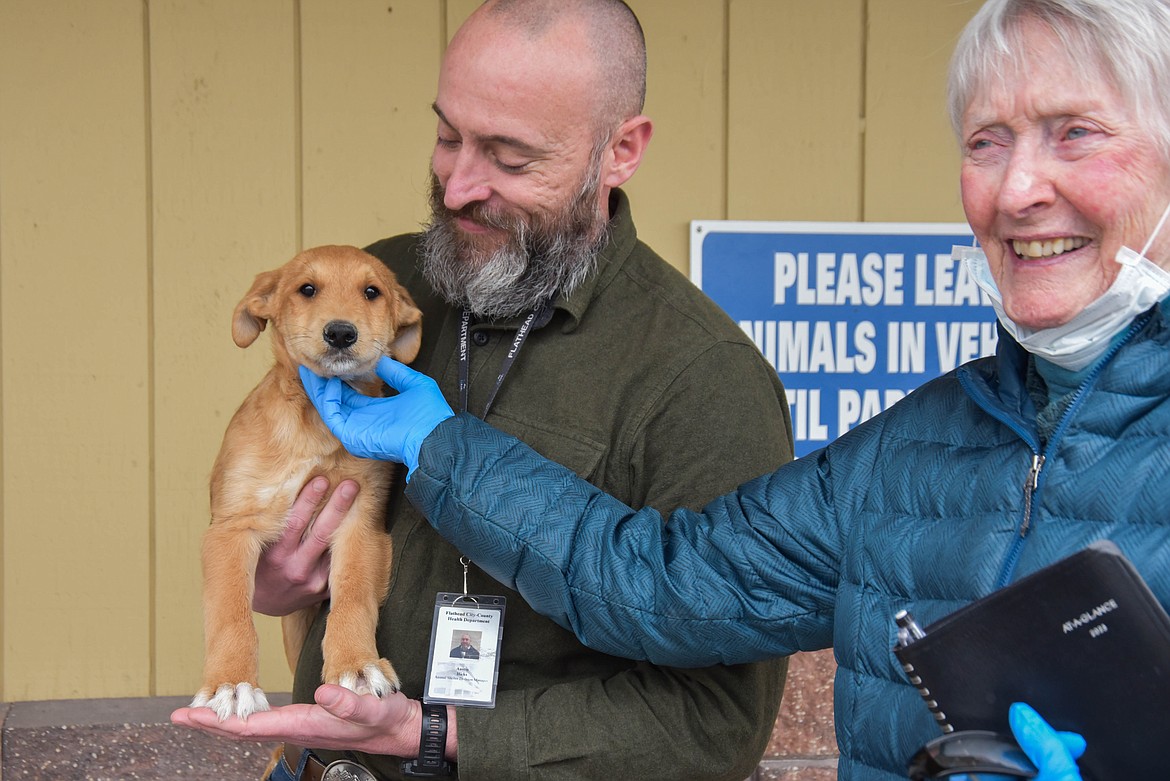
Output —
(293, 572)
(389, 429)
(339, 720)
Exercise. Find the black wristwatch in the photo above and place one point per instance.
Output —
(432, 746)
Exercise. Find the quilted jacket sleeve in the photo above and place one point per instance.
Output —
(752, 576)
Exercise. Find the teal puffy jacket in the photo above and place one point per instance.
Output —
(927, 506)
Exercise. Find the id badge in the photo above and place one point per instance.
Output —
(464, 662)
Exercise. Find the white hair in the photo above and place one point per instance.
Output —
(1124, 41)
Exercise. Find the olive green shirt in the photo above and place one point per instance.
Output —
(646, 388)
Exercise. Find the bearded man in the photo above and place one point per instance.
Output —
(544, 314)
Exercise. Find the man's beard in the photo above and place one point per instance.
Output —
(541, 255)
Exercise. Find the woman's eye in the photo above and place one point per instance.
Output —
(1076, 132)
(308, 291)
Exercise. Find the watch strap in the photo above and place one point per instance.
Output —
(432, 745)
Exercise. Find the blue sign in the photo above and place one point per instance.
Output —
(853, 316)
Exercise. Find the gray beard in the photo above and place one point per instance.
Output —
(542, 256)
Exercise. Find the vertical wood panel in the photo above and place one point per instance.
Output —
(223, 110)
(75, 342)
(369, 71)
(794, 110)
(681, 177)
(457, 13)
(911, 159)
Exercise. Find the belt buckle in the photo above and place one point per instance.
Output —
(344, 770)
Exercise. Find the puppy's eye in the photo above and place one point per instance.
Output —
(372, 293)
(308, 291)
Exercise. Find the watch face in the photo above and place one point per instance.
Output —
(344, 770)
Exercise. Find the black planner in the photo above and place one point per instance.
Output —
(1084, 641)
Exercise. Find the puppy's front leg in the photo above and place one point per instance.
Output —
(358, 581)
(231, 647)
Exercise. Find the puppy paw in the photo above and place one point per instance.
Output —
(377, 678)
(242, 700)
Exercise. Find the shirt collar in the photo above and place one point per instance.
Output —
(622, 236)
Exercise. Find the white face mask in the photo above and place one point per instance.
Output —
(1139, 285)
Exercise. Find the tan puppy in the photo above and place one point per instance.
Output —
(335, 310)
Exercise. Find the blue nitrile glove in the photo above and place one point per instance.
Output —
(389, 429)
(1053, 753)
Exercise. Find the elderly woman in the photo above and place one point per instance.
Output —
(981, 476)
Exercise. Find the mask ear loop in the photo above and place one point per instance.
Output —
(1157, 230)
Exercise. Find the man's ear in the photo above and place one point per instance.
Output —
(626, 149)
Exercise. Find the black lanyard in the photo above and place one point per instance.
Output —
(537, 318)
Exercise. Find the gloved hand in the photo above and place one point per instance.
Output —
(1053, 753)
(389, 429)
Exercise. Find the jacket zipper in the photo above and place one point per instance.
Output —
(1030, 486)
(1032, 483)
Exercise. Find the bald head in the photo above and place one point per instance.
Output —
(611, 34)
(539, 119)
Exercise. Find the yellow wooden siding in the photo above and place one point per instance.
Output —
(368, 75)
(75, 336)
(911, 156)
(155, 156)
(224, 152)
(682, 177)
(795, 110)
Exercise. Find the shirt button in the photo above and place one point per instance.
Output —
(480, 338)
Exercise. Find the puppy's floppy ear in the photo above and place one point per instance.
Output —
(408, 330)
(254, 311)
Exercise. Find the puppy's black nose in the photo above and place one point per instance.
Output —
(340, 334)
